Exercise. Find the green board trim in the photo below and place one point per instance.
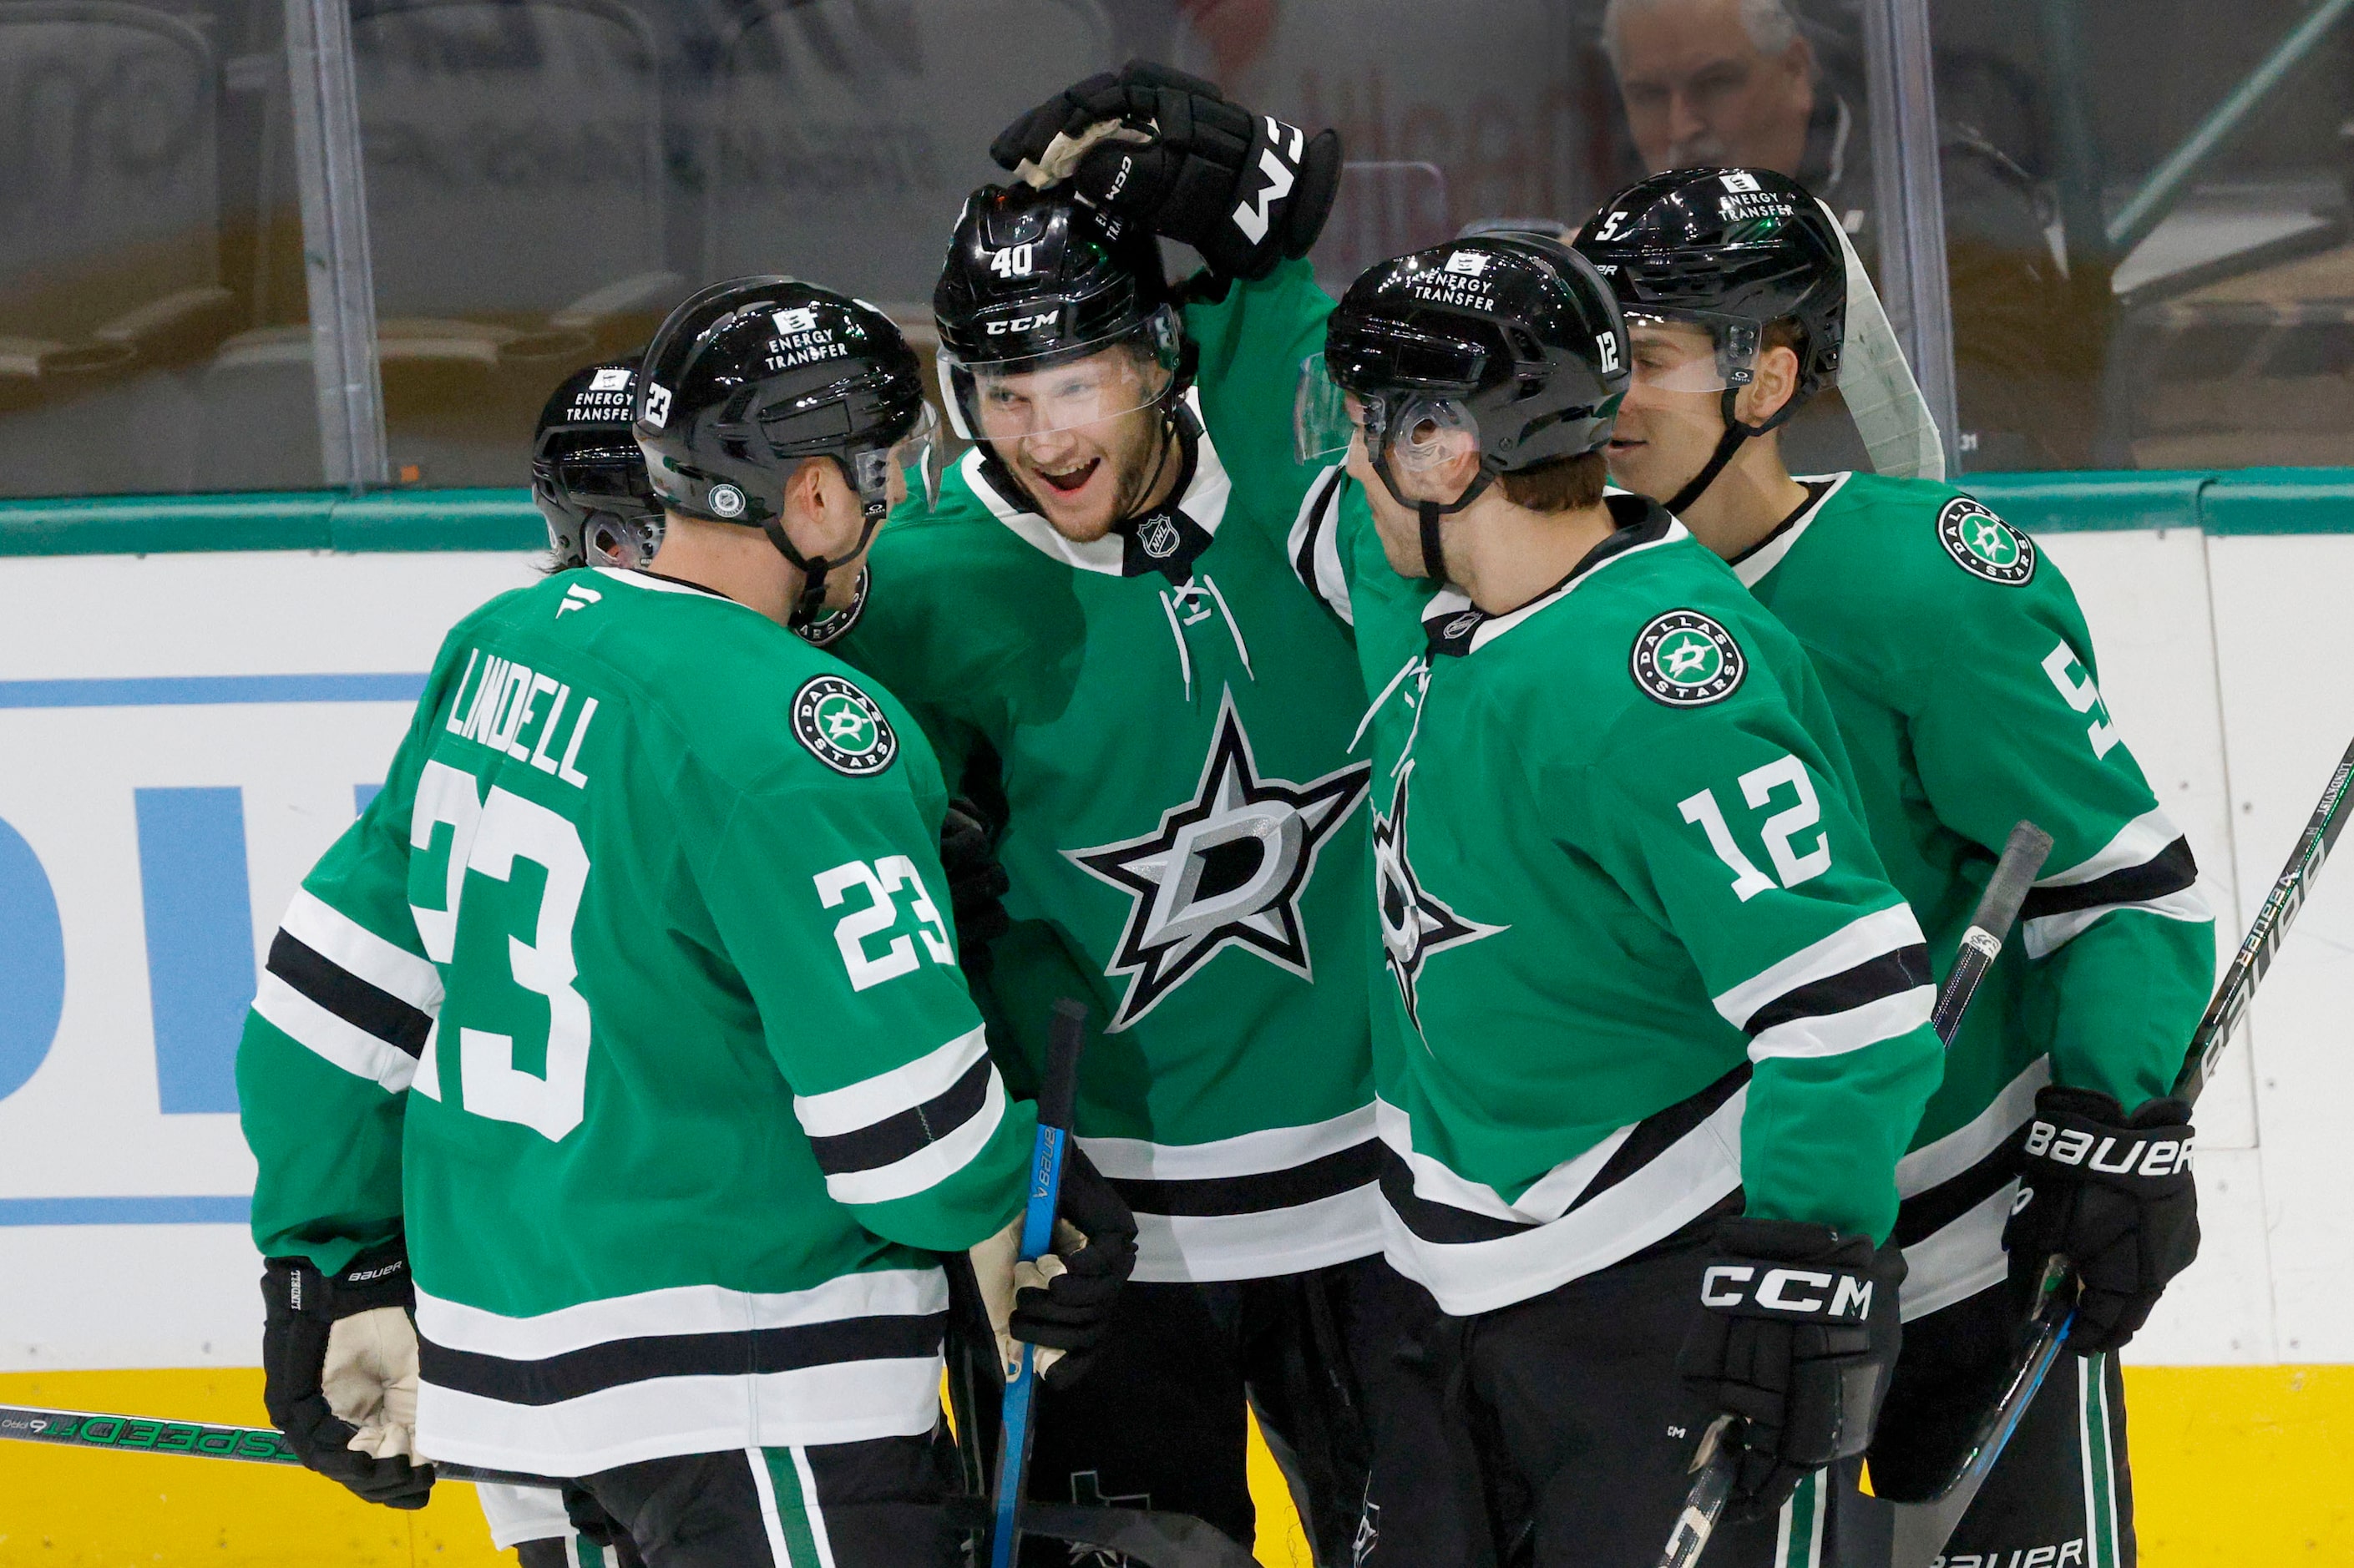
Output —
(2243, 501)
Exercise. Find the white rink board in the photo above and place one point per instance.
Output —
(2218, 658)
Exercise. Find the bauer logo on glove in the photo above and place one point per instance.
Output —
(2111, 1154)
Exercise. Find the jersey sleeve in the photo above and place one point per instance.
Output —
(346, 1000)
(831, 902)
(1252, 338)
(1732, 827)
(2120, 940)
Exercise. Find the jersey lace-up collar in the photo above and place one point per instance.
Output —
(1752, 565)
(1456, 626)
(1167, 539)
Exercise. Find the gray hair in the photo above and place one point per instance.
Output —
(1768, 22)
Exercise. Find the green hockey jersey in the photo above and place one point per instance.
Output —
(1168, 722)
(1642, 954)
(1968, 694)
(630, 1000)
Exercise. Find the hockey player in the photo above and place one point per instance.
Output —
(1967, 690)
(587, 477)
(713, 1091)
(1099, 616)
(1668, 1022)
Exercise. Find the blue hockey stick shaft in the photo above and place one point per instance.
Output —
(1056, 1094)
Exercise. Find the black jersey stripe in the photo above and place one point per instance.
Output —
(1442, 1224)
(1328, 1176)
(363, 1005)
(1891, 973)
(906, 1132)
(1657, 1133)
(1319, 517)
(1926, 1213)
(552, 1380)
(2170, 870)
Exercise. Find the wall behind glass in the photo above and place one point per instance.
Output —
(2224, 335)
(150, 250)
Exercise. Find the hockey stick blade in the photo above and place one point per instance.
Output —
(2014, 873)
(2216, 1027)
(1057, 1091)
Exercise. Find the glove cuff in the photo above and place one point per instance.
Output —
(1794, 1272)
(379, 1277)
(2081, 1135)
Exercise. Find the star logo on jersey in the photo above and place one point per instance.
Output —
(1983, 545)
(1685, 659)
(1415, 924)
(842, 727)
(1224, 869)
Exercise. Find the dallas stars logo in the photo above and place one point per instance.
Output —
(1224, 869)
(842, 727)
(1983, 545)
(1685, 659)
(1415, 924)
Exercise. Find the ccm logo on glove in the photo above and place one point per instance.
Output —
(2142, 1156)
(1786, 1292)
(1281, 164)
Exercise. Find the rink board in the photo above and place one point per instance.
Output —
(182, 733)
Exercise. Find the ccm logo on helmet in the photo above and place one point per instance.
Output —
(1787, 1292)
(1023, 323)
(2139, 1157)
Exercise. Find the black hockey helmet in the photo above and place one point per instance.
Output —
(1733, 250)
(1508, 342)
(1035, 279)
(588, 476)
(748, 377)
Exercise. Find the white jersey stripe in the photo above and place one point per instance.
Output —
(929, 1166)
(837, 1401)
(862, 1104)
(1958, 1260)
(1547, 1198)
(333, 1040)
(1181, 1249)
(2047, 934)
(344, 941)
(1836, 1033)
(680, 1310)
(813, 1507)
(1315, 534)
(1250, 1154)
(764, 1486)
(2143, 839)
(1858, 941)
(1950, 1156)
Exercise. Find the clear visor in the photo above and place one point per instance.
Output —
(884, 471)
(1678, 355)
(1422, 431)
(1073, 387)
(1322, 426)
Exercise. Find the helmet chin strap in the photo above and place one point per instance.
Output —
(1727, 444)
(809, 605)
(1434, 555)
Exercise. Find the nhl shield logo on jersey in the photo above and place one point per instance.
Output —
(842, 727)
(1226, 868)
(1686, 660)
(1983, 545)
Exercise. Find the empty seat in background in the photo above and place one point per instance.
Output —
(110, 245)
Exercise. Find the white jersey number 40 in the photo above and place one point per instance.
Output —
(882, 881)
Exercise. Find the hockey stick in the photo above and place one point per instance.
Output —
(1924, 1528)
(1056, 1094)
(2022, 856)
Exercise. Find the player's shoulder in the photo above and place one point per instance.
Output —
(1655, 635)
(1924, 545)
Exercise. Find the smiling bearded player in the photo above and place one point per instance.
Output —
(1097, 625)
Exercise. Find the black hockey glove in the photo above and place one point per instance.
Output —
(1797, 1334)
(1095, 1238)
(977, 885)
(2112, 1195)
(1243, 189)
(302, 1308)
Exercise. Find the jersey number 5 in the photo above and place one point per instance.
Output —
(487, 836)
(1758, 787)
(882, 879)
